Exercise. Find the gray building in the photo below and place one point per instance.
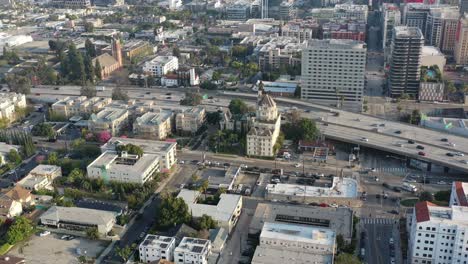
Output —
(391, 17)
(406, 52)
(238, 11)
(339, 220)
(415, 15)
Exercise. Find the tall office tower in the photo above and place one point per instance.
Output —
(463, 7)
(441, 26)
(405, 64)
(333, 72)
(415, 15)
(391, 17)
(461, 41)
(264, 9)
(438, 234)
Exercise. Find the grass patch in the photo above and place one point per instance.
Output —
(5, 248)
(409, 202)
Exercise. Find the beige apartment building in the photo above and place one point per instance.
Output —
(110, 119)
(154, 125)
(189, 121)
(80, 105)
(8, 104)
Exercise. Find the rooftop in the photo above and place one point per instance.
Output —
(154, 118)
(43, 169)
(148, 146)
(298, 233)
(427, 211)
(194, 245)
(337, 44)
(108, 114)
(265, 255)
(431, 51)
(124, 162)
(341, 188)
(461, 191)
(223, 211)
(78, 215)
(162, 59)
(154, 241)
(5, 148)
(408, 32)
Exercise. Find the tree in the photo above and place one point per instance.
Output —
(90, 48)
(118, 94)
(297, 92)
(206, 222)
(450, 87)
(104, 136)
(19, 84)
(92, 233)
(89, 27)
(176, 52)
(89, 68)
(75, 176)
(98, 70)
(216, 76)
(52, 159)
(426, 196)
(130, 149)
(19, 230)
(213, 118)
(88, 91)
(14, 156)
(43, 130)
(75, 68)
(172, 211)
(238, 106)
(345, 258)
(208, 85)
(304, 129)
(442, 196)
(340, 243)
(191, 99)
(124, 253)
(239, 51)
(415, 117)
(204, 187)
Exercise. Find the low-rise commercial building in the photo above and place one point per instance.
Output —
(431, 91)
(307, 244)
(154, 248)
(111, 119)
(124, 167)
(154, 125)
(340, 220)
(9, 104)
(34, 183)
(225, 213)
(47, 171)
(191, 120)
(78, 219)
(459, 194)
(192, 251)
(70, 106)
(438, 234)
(161, 65)
(165, 150)
(433, 56)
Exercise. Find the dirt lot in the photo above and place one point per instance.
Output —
(51, 249)
(246, 179)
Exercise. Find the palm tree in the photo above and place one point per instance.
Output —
(218, 136)
(233, 138)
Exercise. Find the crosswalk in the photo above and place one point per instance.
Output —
(378, 221)
(392, 169)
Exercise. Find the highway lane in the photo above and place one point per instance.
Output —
(389, 144)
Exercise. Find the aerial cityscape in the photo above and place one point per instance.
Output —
(226, 132)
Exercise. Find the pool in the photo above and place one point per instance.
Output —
(430, 73)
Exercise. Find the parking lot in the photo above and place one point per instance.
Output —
(51, 249)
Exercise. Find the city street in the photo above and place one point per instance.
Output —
(381, 241)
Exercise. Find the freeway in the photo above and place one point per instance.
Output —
(391, 144)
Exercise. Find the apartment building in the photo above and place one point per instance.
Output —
(301, 29)
(238, 11)
(461, 41)
(190, 121)
(165, 150)
(155, 248)
(441, 27)
(192, 251)
(438, 234)
(41, 177)
(73, 4)
(280, 243)
(70, 106)
(278, 52)
(391, 17)
(161, 65)
(351, 11)
(415, 15)
(333, 73)
(344, 30)
(110, 119)
(124, 167)
(459, 194)
(261, 138)
(226, 213)
(406, 53)
(136, 49)
(154, 125)
(9, 103)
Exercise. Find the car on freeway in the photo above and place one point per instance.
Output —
(451, 144)
(449, 154)
(410, 141)
(168, 98)
(334, 205)
(297, 165)
(168, 93)
(464, 161)
(419, 147)
(44, 233)
(148, 93)
(396, 189)
(444, 139)
(398, 132)
(391, 241)
(442, 182)
(372, 170)
(421, 153)
(365, 139)
(459, 154)
(226, 164)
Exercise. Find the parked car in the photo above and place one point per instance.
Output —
(459, 154)
(44, 233)
(365, 139)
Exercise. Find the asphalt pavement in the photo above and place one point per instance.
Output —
(380, 241)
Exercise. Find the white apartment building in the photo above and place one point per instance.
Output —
(124, 167)
(34, 183)
(47, 171)
(459, 194)
(333, 73)
(8, 104)
(161, 65)
(301, 29)
(225, 213)
(189, 121)
(165, 150)
(280, 243)
(261, 138)
(41, 177)
(192, 251)
(279, 51)
(110, 119)
(80, 105)
(438, 235)
(155, 248)
(154, 125)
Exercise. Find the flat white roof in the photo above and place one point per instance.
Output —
(341, 188)
(42, 169)
(155, 241)
(193, 245)
(299, 233)
(148, 146)
(78, 215)
(265, 255)
(111, 160)
(5, 148)
(223, 211)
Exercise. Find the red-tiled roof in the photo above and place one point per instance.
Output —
(422, 211)
(461, 193)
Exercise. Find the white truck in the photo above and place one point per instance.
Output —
(100, 88)
(409, 187)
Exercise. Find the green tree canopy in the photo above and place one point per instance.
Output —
(172, 211)
(19, 230)
(124, 253)
(90, 48)
(303, 129)
(345, 258)
(92, 233)
(43, 130)
(208, 85)
(14, 156)
(442, 196)
(238, 106)
(119, 94)
(191, 99)
(426, 196)
(88, 91)
(130, 149)
(206, 222)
